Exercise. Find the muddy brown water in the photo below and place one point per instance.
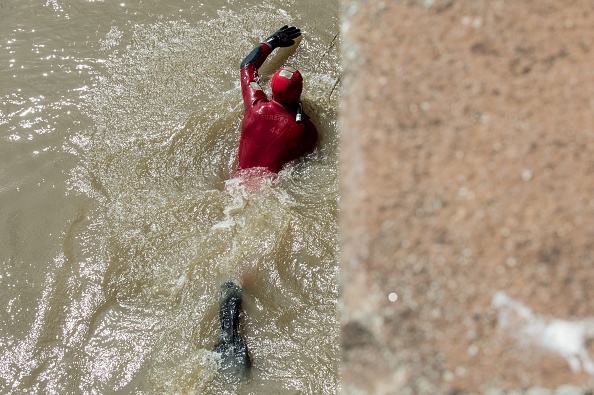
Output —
(119, 213)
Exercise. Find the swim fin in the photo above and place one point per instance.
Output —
(235, 359)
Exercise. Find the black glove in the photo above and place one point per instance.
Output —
(283, 37)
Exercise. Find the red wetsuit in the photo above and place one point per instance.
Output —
(270, 135)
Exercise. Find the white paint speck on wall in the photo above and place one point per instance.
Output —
(565, 338)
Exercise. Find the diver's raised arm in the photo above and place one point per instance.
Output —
(283, 37)
(250, 81)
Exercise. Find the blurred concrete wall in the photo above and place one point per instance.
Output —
(467, 194)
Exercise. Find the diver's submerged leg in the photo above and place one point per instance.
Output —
(235, 359)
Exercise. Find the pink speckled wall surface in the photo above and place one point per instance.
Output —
(467, 179)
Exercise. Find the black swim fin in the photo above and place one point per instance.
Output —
(235, 359)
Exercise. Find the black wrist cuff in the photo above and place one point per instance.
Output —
(252, 57)
(271, 42)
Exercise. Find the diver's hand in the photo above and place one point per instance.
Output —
(283, 37)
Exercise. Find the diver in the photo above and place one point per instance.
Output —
(274, 132)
